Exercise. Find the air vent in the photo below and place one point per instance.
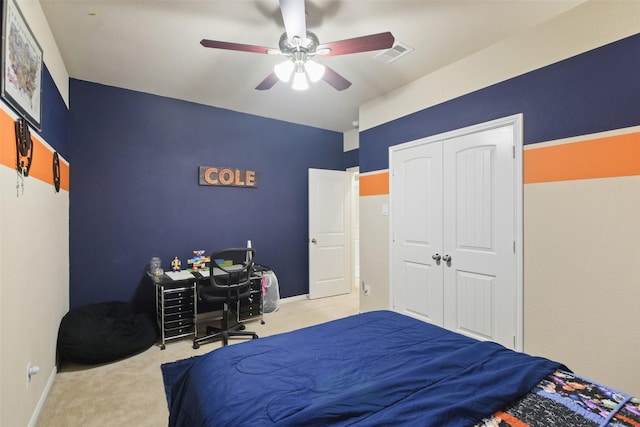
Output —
(393, 54)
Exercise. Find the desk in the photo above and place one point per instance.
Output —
(177, 303)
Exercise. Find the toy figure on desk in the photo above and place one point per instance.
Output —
(175, 264)
(199, 261)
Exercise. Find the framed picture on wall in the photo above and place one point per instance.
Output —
(21, 65)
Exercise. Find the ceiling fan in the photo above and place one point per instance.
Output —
(300, 46)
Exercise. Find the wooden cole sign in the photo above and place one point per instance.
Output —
(227, 177)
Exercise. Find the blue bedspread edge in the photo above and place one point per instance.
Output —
(372, 368)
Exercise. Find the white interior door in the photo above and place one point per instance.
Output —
(329, 233)
(456, 237)
(480, 276)
(416, 215)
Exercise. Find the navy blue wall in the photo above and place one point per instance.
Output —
(55, 116)
(592, 92)
(135, 192)
(351, 159)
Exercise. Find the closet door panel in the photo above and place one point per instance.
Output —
(416, 182)
(479, 232)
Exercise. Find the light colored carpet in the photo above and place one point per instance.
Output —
(130, 392)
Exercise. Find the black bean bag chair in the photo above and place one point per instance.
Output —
(104, 332)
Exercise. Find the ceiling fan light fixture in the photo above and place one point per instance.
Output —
(300, 80)
(284, 70)
(315, 71)
(299, 45)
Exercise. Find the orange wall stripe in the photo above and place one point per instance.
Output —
(42, 165)
(7, 141)
(374, 184)
(606, 157)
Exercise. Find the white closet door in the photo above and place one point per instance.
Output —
(455, 196)
(416, 215)
(479, 225)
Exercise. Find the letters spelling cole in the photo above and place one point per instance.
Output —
(227, 177)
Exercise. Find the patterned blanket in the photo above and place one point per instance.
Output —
(566, 399)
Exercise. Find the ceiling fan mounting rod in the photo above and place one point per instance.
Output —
(308, 46)
(299, 56)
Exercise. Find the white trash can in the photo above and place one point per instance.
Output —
(271, 292)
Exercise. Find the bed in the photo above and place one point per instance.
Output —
(384, 368)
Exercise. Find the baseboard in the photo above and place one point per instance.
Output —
(43, 397)
(294, 298)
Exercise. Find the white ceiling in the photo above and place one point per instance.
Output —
(153, 46)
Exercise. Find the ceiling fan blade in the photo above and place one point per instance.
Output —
(268, 83)
(335, 79)
(235, 46)
(295, 21)
(359, 44)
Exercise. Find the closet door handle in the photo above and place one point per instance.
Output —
(436, 257)
(446, 258)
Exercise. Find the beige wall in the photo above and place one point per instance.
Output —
(34, 265)
(350, 140)
(582, 275)
(578, 301)
(34, 291)
(374, 253)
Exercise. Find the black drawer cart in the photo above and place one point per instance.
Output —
(252, 306)
(176, 307)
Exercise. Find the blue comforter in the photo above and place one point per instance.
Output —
(376, 368)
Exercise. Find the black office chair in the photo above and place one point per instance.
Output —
(229, 285)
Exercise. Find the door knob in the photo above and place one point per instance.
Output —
(314, 241)
(436, 257)
(446, 258)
